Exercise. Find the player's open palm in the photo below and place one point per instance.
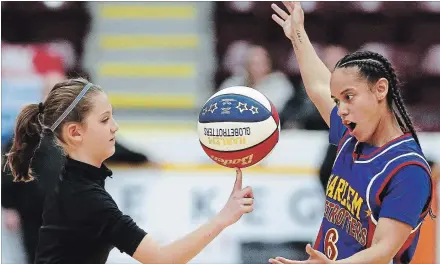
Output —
(289, 21)
(316, 257)
(240, 202)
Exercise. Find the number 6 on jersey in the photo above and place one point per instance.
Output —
(330, 249)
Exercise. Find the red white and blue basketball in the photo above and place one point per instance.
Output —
(238, 127)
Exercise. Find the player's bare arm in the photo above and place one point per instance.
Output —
(389, 237)
(314, 73)
(185, 249)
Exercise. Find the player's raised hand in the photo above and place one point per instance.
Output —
(291, 20)
(316, 257)
(240, 202)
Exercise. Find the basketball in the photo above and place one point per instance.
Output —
(238, 127)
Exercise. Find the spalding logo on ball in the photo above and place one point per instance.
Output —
(238, 127)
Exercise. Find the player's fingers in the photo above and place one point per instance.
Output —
(309, 250)
(288, 261)
(247, 201)
(246, 192)
(314, 254)
(278, 20)
(274, 261)
(247, 208)
(280, 260)
(238, 180)
(249, 193)
(280, 11)
(288, 5)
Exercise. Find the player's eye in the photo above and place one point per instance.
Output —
(348, 97)
(105, 120)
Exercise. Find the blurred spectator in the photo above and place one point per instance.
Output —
(431, 62)
(260, 75)
(332, 54)
(46, 22)
(235, 57)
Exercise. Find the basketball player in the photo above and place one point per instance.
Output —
(81, 221)
(380, 189)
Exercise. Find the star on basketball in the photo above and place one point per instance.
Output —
(254, 110)
(211, 108)
(242, 107)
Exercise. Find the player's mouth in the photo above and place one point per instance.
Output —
(113, 139)
(350, 125)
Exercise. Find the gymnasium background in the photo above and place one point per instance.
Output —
(159, 62)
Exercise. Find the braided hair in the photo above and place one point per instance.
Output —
(374, 66)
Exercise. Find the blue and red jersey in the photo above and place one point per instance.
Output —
(391, 181)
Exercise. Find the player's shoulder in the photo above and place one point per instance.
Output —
(401, 151)
(407, 152)
(83, 192)
(408, 148)
(402, 145)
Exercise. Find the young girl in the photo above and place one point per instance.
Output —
(81, 221)
(380, 188)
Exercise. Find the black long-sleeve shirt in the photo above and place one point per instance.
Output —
(81, 221)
